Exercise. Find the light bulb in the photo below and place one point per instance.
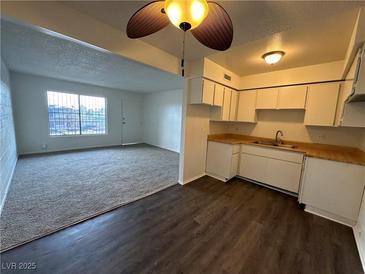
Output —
(186, 14)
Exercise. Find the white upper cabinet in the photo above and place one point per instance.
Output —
(267, 98)
(208, 92)
(321, 104)
(292, 97)
(246, 111)
(218, 95)
(201, 91)
(234, 104)
(226, 109)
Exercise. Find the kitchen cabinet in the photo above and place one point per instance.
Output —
(234, 104)
(321, 104)
(278, 168)
(292, 97)
(267, 98)
(218, 95)
(222, 160)
(223, 113)
(350, 114)
(246, 111)
(226, 108)
(201, 91)
(333, 189)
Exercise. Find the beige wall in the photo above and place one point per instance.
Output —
(306, 74)
(291, 123)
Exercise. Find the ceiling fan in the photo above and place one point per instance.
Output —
(209, 23)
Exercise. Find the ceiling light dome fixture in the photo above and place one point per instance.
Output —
(273, 57)
(186, 14)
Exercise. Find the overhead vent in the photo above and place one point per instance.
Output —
(227, 77)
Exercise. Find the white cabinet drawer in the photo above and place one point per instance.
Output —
(281, 174)
(274, 153)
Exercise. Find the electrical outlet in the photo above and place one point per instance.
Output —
(44, 146)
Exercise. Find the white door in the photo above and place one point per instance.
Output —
(131, 121)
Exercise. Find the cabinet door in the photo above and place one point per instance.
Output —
(333, 187)
(267, 98)
(253, 167)
(234, 164)
(226, 104)
(219, 157)
(234, 103)
(281, 174)
(246, 111)
(208, 92)
(321, 104)
(218, 95)
(284, 175)
(292, 97)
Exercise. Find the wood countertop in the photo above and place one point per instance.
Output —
(322, 151)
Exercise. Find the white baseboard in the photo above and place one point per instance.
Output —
(359, 245)
(216, 177)
(191, 179)
(163, 147)
(8, 185)
(129, 144)
(70, 149)
(330, 216)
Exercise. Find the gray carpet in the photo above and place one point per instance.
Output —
(53, 191)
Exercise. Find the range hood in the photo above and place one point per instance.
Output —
(358, 88)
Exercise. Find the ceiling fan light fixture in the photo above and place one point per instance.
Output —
(273, 57)
(186, 14)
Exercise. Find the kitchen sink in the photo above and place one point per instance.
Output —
(268, 143)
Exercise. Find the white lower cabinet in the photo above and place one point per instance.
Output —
(333, 189)
(274, 167)
(222, 160)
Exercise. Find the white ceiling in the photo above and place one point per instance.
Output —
(28, 50)
(310, 31)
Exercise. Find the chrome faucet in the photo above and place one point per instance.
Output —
(277, 138)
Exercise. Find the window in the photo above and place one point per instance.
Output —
(73, 114)
(92, 110)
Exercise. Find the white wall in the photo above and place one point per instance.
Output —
(57, 17)
(31, 115)
(162, 119)
(8, 153)
(194, 141)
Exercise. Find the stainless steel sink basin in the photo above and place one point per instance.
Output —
(268, 143)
